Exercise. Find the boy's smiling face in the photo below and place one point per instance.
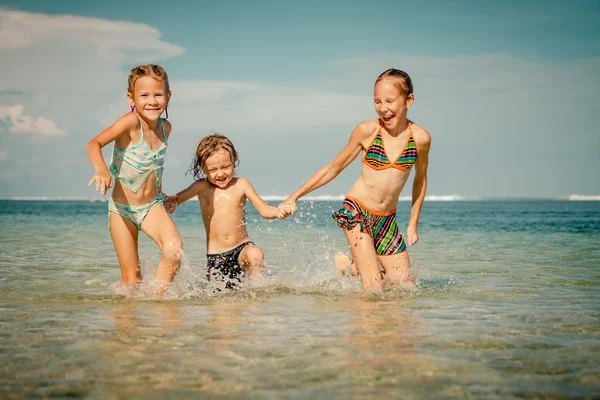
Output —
(218, 168)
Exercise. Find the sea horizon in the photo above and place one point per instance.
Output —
(450, 197)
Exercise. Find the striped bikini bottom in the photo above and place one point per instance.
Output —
(382, 227)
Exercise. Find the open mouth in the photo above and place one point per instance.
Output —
(387, 118)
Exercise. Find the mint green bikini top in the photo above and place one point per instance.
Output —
(132, 165)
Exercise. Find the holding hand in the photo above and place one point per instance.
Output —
(287, 208)
(103, 181)
(170, 203)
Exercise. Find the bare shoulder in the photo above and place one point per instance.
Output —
(364, 131)
(422, 137)
(125, 129)
(129, 121)
(240, 184)
(367, 128)
(243, 182)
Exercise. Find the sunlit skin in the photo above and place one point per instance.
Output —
(222, 200)
(150, 98)
(378, 189)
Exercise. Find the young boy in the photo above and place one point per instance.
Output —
(230, 253)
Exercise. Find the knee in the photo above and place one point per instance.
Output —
(173, 250)
(255, 255)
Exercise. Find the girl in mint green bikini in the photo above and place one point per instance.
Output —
(390, 147)
(136, 202)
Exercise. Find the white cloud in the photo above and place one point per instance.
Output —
(63, 53)
(21, 123)
(21, 29)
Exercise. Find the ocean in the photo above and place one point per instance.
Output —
(507, 307)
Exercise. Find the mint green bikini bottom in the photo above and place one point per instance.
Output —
(135, 214)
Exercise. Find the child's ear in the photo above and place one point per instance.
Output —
(409, 100)
(130, 99)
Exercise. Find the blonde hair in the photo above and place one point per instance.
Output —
(401, 80)
(155, 71)
(208, 146)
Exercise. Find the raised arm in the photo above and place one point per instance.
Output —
(265, 210)
(333, 169)
(94, 150)
(419, 186)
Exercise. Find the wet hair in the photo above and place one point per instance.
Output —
(155, 71)
(206, 148)
(401, 80)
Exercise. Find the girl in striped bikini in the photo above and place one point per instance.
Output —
(391, 146)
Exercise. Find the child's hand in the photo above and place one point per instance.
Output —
(412, 236)
(287, 208)
(103, 181)
(170, 203)
(281, 213)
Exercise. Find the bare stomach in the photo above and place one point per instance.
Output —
(221, 243)
(381, 196)
(145, 193)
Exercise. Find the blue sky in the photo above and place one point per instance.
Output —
(509, 90)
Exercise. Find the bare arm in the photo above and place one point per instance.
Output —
(419, 188)
(331, 170)
(265, 210)
(171, 202)
(94, 150)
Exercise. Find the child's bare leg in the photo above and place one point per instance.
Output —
(161, 228)
(365, 258)
(253, 260)
(125, 240)
(397, 270)
(343, 263)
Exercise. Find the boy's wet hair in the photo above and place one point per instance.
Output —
(206, 148)
(401, 80)
(155, 71)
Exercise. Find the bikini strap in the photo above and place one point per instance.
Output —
(141, 128)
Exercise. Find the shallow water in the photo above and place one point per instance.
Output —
(507, 307)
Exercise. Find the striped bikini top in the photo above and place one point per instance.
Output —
(132, 165)
(376, 157)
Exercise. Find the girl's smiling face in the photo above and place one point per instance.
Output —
(218, 168)
(150, 97)
(389, 103)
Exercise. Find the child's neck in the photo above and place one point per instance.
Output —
(152, 125)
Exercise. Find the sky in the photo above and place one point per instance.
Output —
(509, 90)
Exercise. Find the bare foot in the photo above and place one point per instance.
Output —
(343, 264)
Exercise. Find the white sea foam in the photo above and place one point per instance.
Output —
(448, 197)
(584, 197)
(340, 197)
